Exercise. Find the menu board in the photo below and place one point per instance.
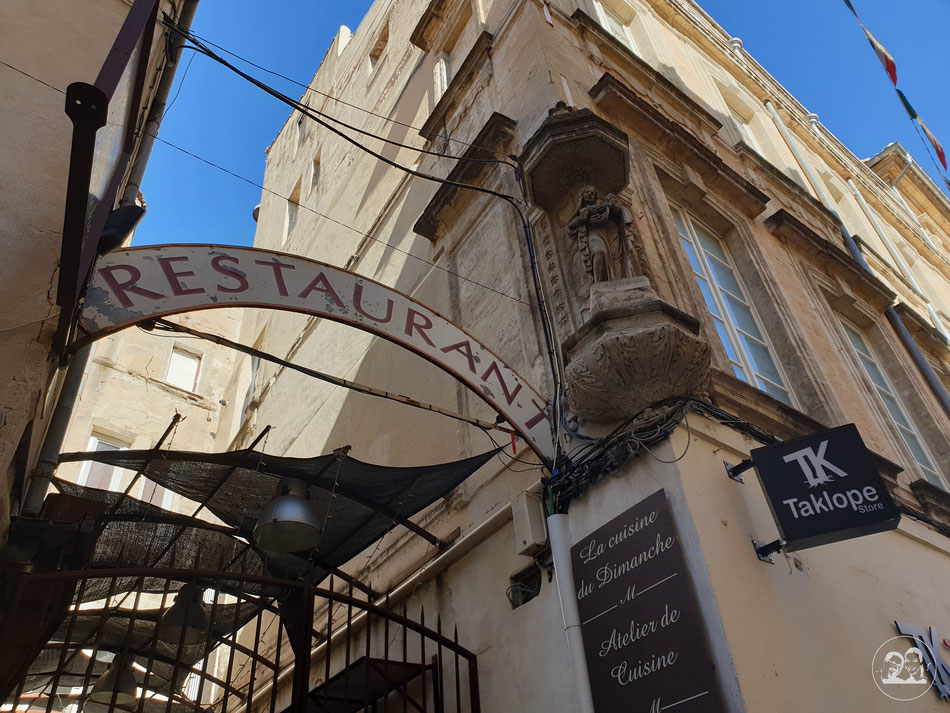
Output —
(644, 639)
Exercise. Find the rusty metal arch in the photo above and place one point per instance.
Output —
(133, 285)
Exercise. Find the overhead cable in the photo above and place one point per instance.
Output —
(308, 88)
(314, 114)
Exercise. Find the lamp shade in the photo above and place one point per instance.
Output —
(186, 621)
(288, 523)
(118, 679)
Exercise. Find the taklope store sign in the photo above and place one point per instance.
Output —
(135, 284)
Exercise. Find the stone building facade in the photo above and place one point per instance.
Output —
(135, 382)
(717, 272)
(686, 218)
(685, 214)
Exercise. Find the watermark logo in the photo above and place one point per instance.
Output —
(901, 668)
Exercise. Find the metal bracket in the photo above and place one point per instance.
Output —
(765, 551)
(735, 471)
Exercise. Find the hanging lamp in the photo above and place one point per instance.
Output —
(118, 679)
(186, 615)
(288, 523)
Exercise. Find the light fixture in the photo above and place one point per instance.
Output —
(118, 680)
(188, 614)
(288, 523)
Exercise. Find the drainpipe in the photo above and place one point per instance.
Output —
(898, 259)
(936, 386)
(908, 162)
(157, 110)
(41, 477)
(560, 536)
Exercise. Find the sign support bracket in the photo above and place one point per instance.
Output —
(764, 551)
(735, 471)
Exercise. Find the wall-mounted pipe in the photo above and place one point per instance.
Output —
(908, 162)
(898, 258)
(933, 382)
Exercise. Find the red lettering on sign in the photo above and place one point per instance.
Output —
(120, 288)
(172, 277)
(358, 303)
(321, 284)
(420, 327)
(233, 274)
(509, 395)
(278, 268)
(465, 349)
(535, 420)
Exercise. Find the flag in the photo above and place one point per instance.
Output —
(851, 8)
(907, 107)
(936, 144)
(882, 54)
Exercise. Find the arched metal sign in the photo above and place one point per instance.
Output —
(136, 284)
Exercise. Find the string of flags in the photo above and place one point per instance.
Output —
(890, 67)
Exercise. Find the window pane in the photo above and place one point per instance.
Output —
(774, 391)
(707, 296)
(857, 341)
(742, 317)
(917, 448)
(183, 370)
(726, 340)
(680, 225)
(762, 360)
(725, 278)
(875, 374)
(710, 242)
(691, 254)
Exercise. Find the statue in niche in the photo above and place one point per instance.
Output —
(601, 230)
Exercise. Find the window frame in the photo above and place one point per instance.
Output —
(872, 355)
(601, 9)
(96, 437)
(197, 356)
(746, 364)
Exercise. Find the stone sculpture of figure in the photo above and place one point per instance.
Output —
(599, 229)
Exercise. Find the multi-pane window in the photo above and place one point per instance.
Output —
(614, 24)
(898, 413)
(183, 369)
(739, 328)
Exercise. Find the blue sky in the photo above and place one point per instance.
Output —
(815, 48)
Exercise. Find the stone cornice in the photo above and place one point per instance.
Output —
(690, 19)
(786, 225)
(923, 331)
(678, 141)
(651, 82)
(479, 54)
(497, 130)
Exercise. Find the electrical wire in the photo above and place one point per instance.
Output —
(546, 325)
(27, 324)
(181, 82)
(308, 88)
(314, 113)
(338, 222)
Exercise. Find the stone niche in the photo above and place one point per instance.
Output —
(623, 347)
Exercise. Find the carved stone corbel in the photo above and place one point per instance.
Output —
(623, 348)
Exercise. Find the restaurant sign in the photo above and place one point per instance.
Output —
(644, 639)
(824, 488)
(135, 284)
